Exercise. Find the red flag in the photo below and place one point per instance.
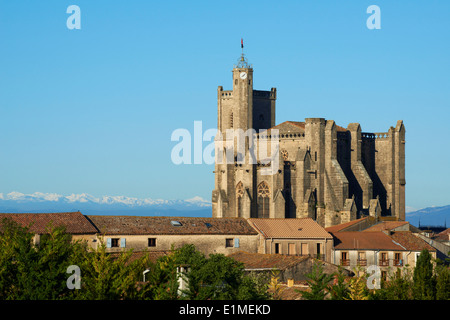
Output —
(242, 43)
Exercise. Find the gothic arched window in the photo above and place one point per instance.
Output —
(263, 200)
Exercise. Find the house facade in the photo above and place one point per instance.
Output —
(209, 235)
(302, 237)
(390, 251)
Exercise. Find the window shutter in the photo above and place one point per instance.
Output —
(236, 242)
(122, 243)
(108, 242)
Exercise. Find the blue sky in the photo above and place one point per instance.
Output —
(92, 110)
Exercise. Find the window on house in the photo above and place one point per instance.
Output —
(115, 242)
(362, 261)
(384, 259)
(291, 249)
(277, 248)
(304, 248)
(229, 243)
(344, 259)
(152, 242)
(398, 261)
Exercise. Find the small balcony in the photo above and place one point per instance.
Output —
(398, 262)
(384, 263)
(345, 262)
(362, 262)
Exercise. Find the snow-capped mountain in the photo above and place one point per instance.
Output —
(89, 204)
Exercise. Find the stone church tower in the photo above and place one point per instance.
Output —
(326, 172)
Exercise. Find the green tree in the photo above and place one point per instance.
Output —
(213, 278)
(399, 287)
(442, 282)
(16, 256)
(34, 272)
(423, 287)
(318, 282)
(106, 276)
(339, 289)
(358, 286)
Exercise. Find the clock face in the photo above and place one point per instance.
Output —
(243, 75)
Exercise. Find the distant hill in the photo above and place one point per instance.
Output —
(431, 216)
(16, 202)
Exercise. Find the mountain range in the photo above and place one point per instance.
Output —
(15, 202)
(431, 216)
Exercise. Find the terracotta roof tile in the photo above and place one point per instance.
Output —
(410, 242)
(351, 240)
(343, 226)
(290, 228)
(386, 225)
(135, 255)
(163, 225)
(75, 222)
(267, 261)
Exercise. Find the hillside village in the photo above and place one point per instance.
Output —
(262, 245)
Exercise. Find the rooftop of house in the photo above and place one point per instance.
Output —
(137, 225)
(443, 236)
(379, 240)
(356, 240)
(387, 225)
(290, 228)
(153, 256)
(341, 227)
(410, 242)
(40, 223)
(267, 261)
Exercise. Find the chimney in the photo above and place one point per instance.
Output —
(183, 284)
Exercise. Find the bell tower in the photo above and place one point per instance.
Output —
(235, 176)
(242, 95)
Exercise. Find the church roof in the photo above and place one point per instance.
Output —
(290, 126)
(297, 126)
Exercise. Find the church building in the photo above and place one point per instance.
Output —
(326, 172)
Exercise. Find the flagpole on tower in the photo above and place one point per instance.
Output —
(242, 62)
(242, 48)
